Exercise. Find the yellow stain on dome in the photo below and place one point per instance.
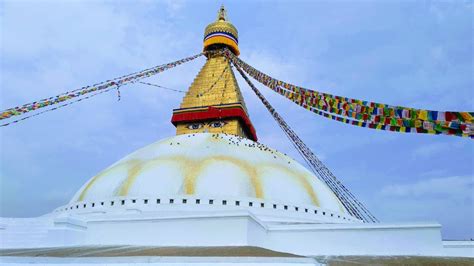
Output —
(89, 185)
(191, 179)
(309, 189)
(137, 168)
(301, 178)
(192, 169)
(98, 176)
(134, 168)
(341, 208)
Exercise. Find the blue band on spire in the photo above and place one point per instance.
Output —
(222, 34)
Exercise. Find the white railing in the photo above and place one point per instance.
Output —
(151, 203)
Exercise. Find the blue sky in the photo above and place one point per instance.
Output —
(407, 53)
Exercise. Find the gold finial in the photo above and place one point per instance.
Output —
(222, 14)
(221, 32)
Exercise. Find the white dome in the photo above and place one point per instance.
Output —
(210, 165)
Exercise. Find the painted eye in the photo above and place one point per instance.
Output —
(217, 124)
(195, 126)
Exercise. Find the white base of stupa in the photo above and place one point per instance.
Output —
(232, 227)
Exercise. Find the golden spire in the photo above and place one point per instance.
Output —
(213, 102)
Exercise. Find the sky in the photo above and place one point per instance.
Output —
(408, 53)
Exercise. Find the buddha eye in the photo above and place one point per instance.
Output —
(217, 124)
(195, 126)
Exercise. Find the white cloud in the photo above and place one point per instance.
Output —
(429, 150)
(173, 7)
(446, 200)
(436, 148)
(456, 187)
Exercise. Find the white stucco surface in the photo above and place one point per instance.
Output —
(210, 165)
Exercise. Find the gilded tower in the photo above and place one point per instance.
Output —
(213, 102)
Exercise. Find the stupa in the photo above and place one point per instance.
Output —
(211, 194)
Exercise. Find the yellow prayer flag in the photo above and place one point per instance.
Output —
(467, 116)
(423, 115)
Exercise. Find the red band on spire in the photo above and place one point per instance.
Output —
(216, 113)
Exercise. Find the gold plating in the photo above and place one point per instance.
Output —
(215, 85)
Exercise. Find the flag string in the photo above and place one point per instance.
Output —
(113, 83)
(56, 107)
(363, 113)
(162, 87)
